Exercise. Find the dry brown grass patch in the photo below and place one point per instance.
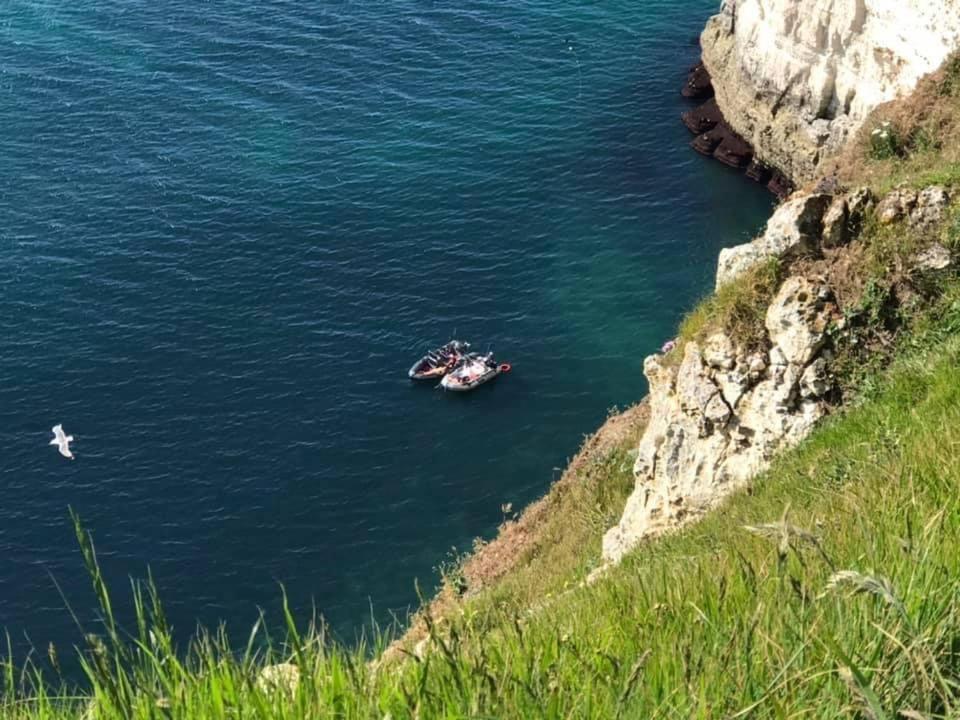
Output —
(925, 129)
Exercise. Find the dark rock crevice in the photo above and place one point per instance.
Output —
(716, 139)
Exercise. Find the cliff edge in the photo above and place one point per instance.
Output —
(727, 400)
(796, 78)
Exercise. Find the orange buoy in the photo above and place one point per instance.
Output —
(505, 368)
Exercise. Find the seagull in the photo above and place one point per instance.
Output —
(62, 441)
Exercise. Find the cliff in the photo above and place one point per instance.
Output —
(719, 417)
(796, 78)
(727, 400)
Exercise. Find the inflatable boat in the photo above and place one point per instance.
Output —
(472, 372)
(437, 363)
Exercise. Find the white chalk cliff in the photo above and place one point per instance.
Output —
(797, 77)
(719, 414)
(718, 417)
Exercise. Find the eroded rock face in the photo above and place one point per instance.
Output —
(796, 77)
(720, 416)
(811, 222)
(935, 257)
(795, 227)
(924, 209)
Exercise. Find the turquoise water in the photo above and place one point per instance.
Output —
(228, 230)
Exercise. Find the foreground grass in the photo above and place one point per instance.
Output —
(830, 589)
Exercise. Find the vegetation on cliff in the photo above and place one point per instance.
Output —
(829, 587)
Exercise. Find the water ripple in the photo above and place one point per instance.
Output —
(229, 228)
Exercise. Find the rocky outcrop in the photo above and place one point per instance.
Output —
(924, 209)
(716, 139)
(811, 222)
(719, 416)
(844, 218)
(698, 85)
(796, 77)
(935, 257)
(794, 228)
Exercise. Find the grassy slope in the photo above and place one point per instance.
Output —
(718, 619)
(843, 600)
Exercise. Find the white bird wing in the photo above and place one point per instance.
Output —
(62, 441)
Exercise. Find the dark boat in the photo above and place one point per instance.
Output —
(472, 371)
(437, 363)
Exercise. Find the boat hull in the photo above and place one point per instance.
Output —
(437, 363)
(434, 374)
(450, 383)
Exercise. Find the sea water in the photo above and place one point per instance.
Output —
(227, 230)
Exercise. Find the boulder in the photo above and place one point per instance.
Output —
(924, 209)
(896, 205)
(796, 320)
(758, 172)
(935, 257)
(844, 219)
(931, 207)
(780, 185)
(719, 352)
(708, 142)
(815, 381)
(859, 203)
(698, 85)
(756, 364)
(703, 118)
(835, 224)
(734, 152)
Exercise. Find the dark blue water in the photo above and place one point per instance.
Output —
(228, 228)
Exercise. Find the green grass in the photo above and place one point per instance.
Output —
(918, 172)
(737, 309)
(891, 302)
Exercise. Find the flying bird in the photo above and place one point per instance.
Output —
(62, 441)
